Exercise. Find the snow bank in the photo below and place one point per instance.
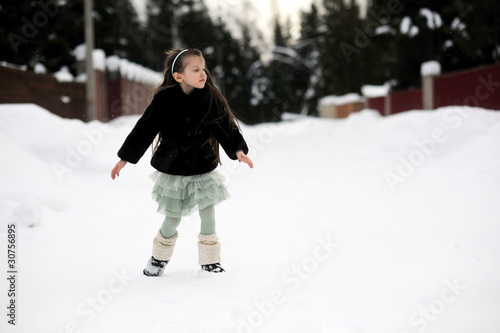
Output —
(366, 224)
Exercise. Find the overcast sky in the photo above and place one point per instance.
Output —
(234, 10)
(287, 8)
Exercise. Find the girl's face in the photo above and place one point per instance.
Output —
(193, 75)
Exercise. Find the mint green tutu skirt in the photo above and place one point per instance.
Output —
(179, 196)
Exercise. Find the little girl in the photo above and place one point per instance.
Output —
(191, 118)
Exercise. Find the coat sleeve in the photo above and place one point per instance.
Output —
(143, 133)
(227, 133)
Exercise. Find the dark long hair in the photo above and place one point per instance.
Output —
(222, 108)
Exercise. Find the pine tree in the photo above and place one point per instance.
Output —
(474, 33)
(34, 33)
(161, 32)
(342, 42)
(449, 31)
(117, 30)
(227, 58)
(308, 48)
(54, 29)
(280, 76)
(287, 76)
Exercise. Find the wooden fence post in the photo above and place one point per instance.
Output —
(428, 70)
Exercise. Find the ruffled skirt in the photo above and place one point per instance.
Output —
(178, 196)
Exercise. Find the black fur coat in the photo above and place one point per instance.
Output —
(183, 149)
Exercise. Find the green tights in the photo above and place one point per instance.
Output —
(207, 215)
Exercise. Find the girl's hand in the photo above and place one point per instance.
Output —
(116, 170)
(244, 158)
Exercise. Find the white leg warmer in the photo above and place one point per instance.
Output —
(208, 249)
(163, 248)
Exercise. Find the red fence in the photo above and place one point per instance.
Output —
(115, 95)
(376, 103)
(66, 99)
(406, 100)
(475, 87)
(478, 87)
(126, 97)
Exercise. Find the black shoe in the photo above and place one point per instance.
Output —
(213, 268)
(155, 267)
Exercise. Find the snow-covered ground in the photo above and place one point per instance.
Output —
(361, 225)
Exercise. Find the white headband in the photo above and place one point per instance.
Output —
(173, 63)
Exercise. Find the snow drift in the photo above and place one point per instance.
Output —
(366, 224)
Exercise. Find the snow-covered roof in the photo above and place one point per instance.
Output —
(113, 63)
(371, 91)
(341, 100)
(127, 69)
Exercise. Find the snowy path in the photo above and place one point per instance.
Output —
(366, 224)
